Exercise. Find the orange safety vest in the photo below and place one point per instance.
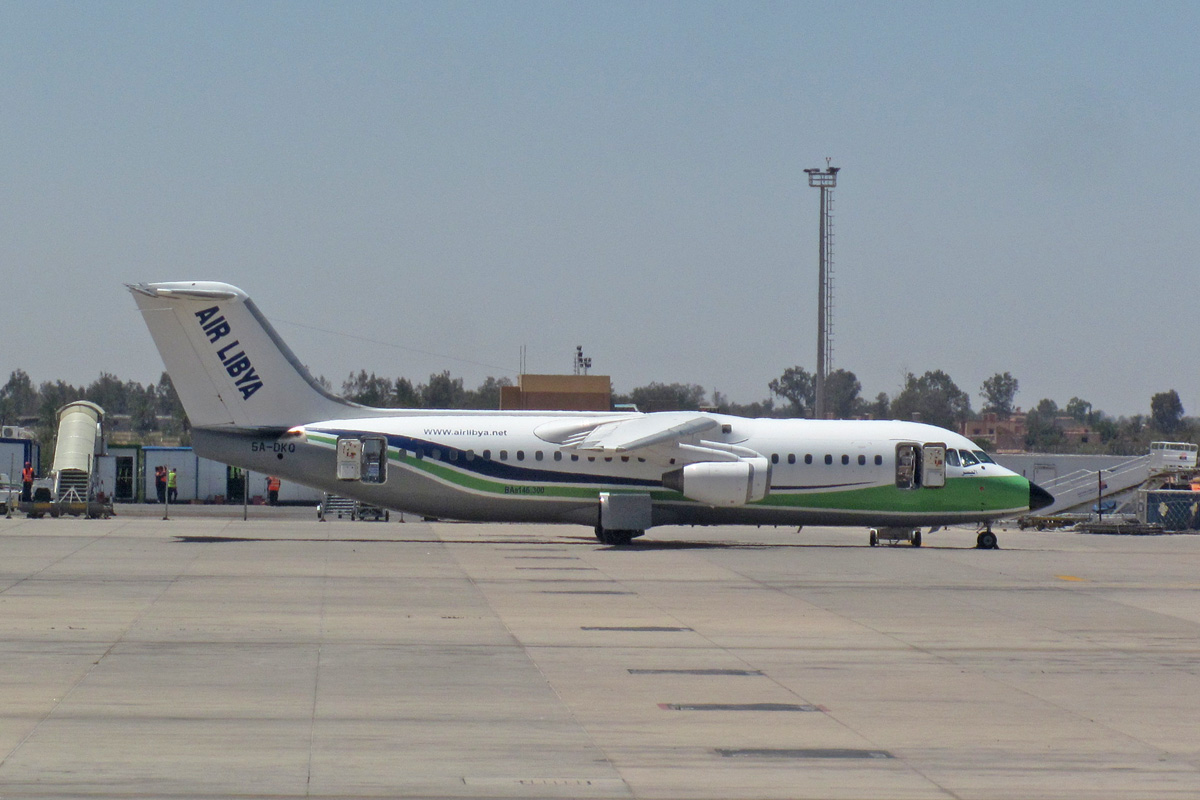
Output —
(272, 484)
(27, 475)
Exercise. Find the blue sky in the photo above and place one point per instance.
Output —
(1018, 192)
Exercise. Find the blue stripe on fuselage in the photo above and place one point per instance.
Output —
(492, 468)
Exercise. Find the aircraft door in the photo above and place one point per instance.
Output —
(933, 465)
(908, 466)
(362, 458)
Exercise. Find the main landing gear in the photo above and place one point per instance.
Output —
(986, 540)
(894, 535)
(616, 538)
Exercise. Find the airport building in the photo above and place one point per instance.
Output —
(126, 474)
(558, 393)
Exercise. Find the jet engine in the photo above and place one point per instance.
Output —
(722, 483)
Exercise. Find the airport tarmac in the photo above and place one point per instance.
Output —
(282, 657)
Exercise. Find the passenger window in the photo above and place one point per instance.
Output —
(828, 459)
(845, 460)
(453, 455)
(952, 458)
(791, 458)
(435, 454)
(574, 457)
(808, 458)
(968, 460)
(774, 458)
(520, 455)
(557, 455)
(504, 455)
(625, 459)
(470, 455)
(879, 461)
(862, 461)
(537, 456)
(487, 455)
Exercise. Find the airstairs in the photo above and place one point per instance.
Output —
(73, 486)
(1080, 489)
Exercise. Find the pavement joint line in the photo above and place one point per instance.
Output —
(312, 724)
(166, 587)
(909, 765)
(527, 651)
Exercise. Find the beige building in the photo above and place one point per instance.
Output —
(558, 393)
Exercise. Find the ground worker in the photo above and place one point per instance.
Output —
(27, 483)
(172, 486)
(273, 490)
(160, 483)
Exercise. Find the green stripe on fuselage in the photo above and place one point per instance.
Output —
(975, 494)
(984, 494)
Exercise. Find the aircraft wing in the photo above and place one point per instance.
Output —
(628, 435)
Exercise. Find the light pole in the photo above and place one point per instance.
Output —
(825, 180)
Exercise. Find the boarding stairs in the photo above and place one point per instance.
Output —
(1081, 488)
(73, 486)
(335, 505)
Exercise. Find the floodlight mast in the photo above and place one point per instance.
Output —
(825, 180)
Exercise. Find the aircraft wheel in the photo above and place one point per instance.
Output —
(916, 539)
(874, 539)
(620, 538)
(615, 538)
(987, 541)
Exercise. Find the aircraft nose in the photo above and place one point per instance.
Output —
(1038, 497)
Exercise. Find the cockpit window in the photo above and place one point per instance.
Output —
(968, 460)
(983, 457)
(952, 458)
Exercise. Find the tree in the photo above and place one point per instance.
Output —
(841, 394)
(110, 393)
(1047, 408)
(442, 391)
(487, 396)
(143, 404)
(796, 385)
(18, 398)
(668, 397)
(1080, 410)
(998, 393)
(1166, 409)
(1042, 433)
(404, 394)
(370, 390)
(935, 397)
(880, 408)
(52, 397)
(170, 406)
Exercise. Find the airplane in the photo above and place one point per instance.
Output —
(252, 404)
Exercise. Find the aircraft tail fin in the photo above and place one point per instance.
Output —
(228, 364)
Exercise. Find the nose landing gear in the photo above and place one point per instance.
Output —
(986, 540)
